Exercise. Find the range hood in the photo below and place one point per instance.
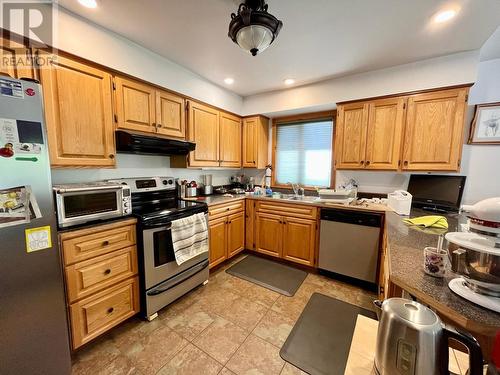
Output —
(134, 143)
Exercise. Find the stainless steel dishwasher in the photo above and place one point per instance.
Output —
(349, 243)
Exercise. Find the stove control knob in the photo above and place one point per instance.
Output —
(165, 182)
(170, 182)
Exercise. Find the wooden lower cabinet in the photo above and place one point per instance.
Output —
(97, 314)
(235, 234)
(250, 224)
(226, 227)
(299, 240)
(218, 241)
(268, 234)
(288, 233)
(102, 288)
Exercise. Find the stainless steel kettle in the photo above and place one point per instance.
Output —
(412, 340)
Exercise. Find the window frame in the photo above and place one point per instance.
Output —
(300, 118)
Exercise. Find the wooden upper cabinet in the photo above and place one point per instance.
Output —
(383, 139)
(230, 140)
(135, 105)
(299, 240)
(16, 60)
(170, 115)
(250, 142)
(351, 136)
(204, 131)
(434, 130)
(255, 142)
(79, 114)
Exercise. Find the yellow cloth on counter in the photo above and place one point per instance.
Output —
(428, 221)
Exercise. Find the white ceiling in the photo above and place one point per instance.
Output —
(320, 39)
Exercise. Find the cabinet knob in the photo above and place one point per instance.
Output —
(158, 125)
(105, 243)
(362, 162)
(110, 310)
(107, 271)
(368, 162)
(153, 124)
(111, 156)
(405, 162)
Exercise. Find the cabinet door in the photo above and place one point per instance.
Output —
(135, 105)
(434, 131)
(384, 133)
(235, 234)
(170, 115)
(268, 234)
(250, 224)
(230, 140)
(250, 142)
(204, 131)
(351, 136)
(299, 240)
(218, 240)
(15, 60)
(79, 114)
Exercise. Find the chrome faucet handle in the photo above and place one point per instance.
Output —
(301, 191)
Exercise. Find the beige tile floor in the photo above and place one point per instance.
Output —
(230, 326)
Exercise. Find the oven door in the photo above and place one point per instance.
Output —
(79, 206)
(159, 257)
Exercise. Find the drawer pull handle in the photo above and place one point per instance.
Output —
(107, 272)
(227, 209)
(110, 310)
(105, 243)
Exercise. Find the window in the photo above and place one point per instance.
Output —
(303, 152)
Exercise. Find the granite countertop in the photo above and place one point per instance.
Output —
(406, 246)
(212, 200)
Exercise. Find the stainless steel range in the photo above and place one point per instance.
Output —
(156, 204)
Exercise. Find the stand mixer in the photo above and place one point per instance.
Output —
(475, 255)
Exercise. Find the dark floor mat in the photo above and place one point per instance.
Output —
(320, 340)
(272, 275)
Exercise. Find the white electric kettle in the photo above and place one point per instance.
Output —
(412, 340)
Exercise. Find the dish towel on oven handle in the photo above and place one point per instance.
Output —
(189, 237)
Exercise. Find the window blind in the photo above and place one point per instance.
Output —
(304, 153)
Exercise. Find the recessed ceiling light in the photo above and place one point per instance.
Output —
(289, 81)
(88, 3)
(228, 81)
(445, 15)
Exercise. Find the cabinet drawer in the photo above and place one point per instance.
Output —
(81, 245)
(96, 314)
(90, 276)
(220, 210)
(296, 210)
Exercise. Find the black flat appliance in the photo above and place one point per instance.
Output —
(155, 204)
(134, 143)
(436, 192)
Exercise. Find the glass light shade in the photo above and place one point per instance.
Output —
(254, 38)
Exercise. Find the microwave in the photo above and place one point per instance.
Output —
(78, 204)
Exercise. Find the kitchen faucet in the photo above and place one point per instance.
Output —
(297, 189)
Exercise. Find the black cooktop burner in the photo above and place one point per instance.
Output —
(163, 212)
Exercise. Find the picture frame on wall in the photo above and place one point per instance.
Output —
(485, 126)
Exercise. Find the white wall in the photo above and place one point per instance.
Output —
(129, 165)
(438, 72)
(90, 41)
(87, 40)
(480, 163)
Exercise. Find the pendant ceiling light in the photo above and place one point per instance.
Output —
(253, 29)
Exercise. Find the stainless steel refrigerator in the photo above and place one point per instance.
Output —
(33, 321)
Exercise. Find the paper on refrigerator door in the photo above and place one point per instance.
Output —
(18, 205)
(38, 239)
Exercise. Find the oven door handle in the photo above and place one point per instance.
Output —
(176, 280)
